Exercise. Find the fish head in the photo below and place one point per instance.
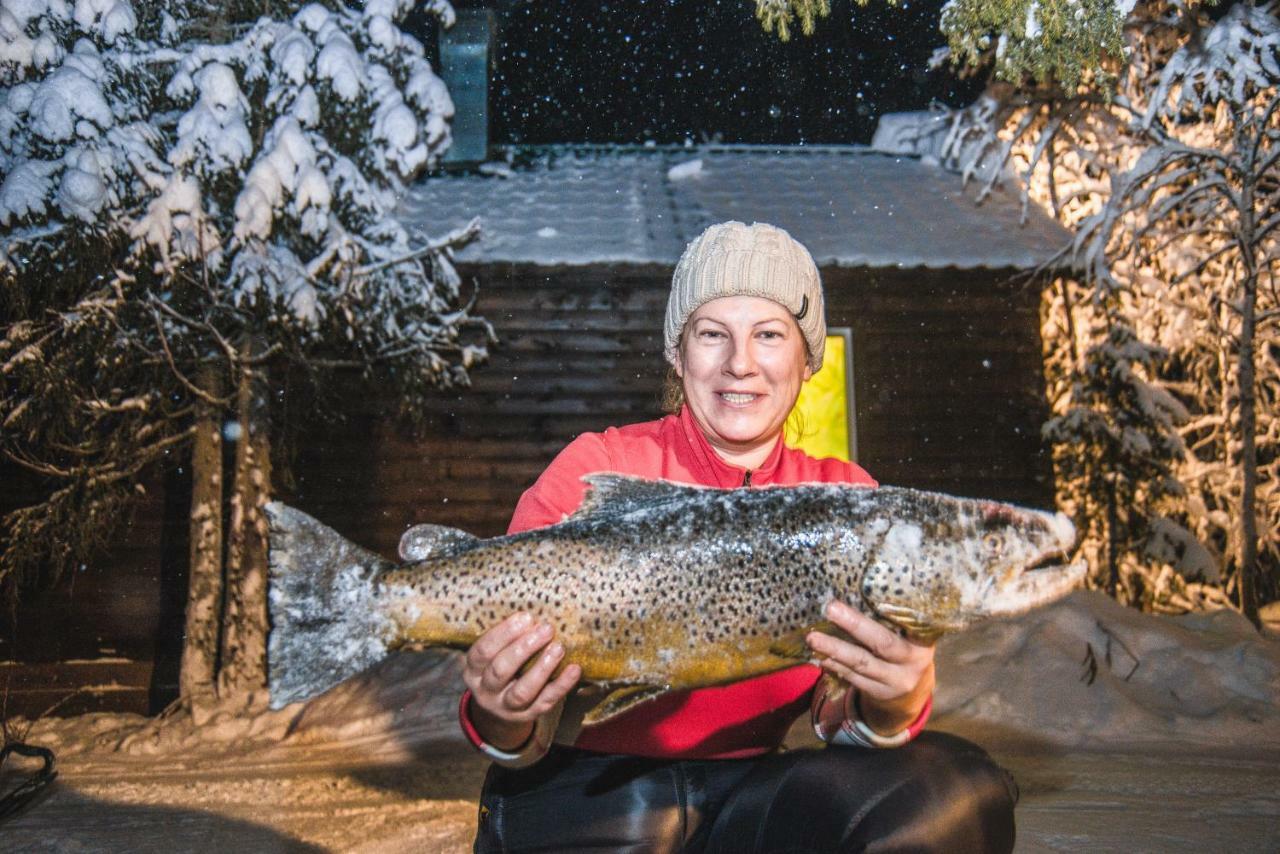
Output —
(944, 563)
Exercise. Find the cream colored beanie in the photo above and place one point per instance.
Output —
(731, 259)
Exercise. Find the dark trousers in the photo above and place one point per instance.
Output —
(938, 793)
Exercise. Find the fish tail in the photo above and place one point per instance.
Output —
(327, 623)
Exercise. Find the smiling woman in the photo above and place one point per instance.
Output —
(744, 330)
(700, 769)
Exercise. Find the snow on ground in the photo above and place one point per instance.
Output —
(1089, 673)
(1170, 742)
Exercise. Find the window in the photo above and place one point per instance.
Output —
(823, 421)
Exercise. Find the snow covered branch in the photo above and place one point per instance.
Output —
(1171, 180)
(194, 198)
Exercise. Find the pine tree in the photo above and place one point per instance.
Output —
(780, 14)
(256, 243)
(78, 152)
(1116, 438)
(1066, 42)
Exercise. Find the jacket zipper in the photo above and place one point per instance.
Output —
(746, 478)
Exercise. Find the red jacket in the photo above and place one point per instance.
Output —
(744, 718)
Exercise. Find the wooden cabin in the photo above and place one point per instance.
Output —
(572, 270)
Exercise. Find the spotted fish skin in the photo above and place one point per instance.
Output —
(662, 585)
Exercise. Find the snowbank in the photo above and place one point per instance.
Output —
(1088, 672)
(412, 697)
(405, 702)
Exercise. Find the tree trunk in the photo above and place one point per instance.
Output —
(1248, 415)
(1223, 496)
(204, 587)
(244, 639)
(1113, 527)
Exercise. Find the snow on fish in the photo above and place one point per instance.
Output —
(653, 586)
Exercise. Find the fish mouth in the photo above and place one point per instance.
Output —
(1048, 560)
(1046, 579)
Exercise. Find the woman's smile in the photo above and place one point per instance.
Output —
(739, 398)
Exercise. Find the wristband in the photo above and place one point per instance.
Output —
(533, 749)
(856, 730)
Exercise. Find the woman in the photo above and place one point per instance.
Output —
(702, 769)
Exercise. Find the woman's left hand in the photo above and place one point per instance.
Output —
(893, 675)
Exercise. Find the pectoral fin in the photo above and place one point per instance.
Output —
(915, 623)
(793, 646)
(835, 688)
(622, 700)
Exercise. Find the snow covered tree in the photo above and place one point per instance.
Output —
(1064, 41)
(1211, 180)
(257, 245)
(1118, 441)
(76, 147)
(1171, 180)
(780, 14)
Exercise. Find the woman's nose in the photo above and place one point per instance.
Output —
(742, 360)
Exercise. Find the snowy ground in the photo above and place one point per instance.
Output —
(1180, 753)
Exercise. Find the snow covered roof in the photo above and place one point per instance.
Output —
(851, 205)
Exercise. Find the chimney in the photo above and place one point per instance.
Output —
(465, 51)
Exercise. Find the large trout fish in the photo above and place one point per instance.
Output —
(653, 586)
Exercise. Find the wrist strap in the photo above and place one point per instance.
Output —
(537, 745)
(854, 730)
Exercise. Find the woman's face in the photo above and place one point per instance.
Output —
(742, 362)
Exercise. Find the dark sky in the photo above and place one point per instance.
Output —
(667, 70)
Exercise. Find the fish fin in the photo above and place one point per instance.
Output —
(834, 688)
(915, 623)
(621, 700)
(423, 541)
(609, 493)
(326, 622)
(793, 646)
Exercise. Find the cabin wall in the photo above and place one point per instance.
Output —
(579, 349)
(108, 636)
(948, 379)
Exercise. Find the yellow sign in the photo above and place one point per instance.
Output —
(819, 423)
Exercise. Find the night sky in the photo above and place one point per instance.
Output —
(700, 70)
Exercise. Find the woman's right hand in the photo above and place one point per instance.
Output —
(504, 701)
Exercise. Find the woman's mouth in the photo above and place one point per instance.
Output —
(737, 398)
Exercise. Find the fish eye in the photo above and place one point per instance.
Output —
(993, 542)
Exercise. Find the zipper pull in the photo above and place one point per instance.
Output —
(746, 478)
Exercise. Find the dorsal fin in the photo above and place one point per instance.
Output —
(423, 541)
(619, 493)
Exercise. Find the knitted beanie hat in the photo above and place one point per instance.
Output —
(759, 260)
